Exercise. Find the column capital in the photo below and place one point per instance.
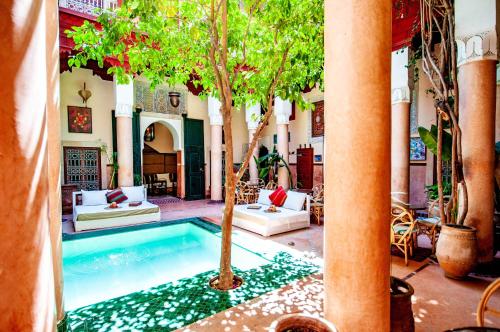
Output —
(400, 95)
(214, 112)
(282, 111)
(252, 116)
(124, 98)
(123, 110)
(400, 90)
(477, 46)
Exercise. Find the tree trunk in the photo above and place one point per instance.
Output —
(226, 272)
(439, 166)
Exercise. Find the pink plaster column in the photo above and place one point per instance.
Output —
(477, 55)
(282, 111)
(26, 271)
(125, 152)
(254, 172)
(252, 116)
(216, 163)
(357, 156)
(54, 152)
(282, 132)
(215, 149)
(124, 95)
(400, 152)
(477, 83)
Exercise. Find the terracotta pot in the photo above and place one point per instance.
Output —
(301, 322)
(109, 174)
(456, 250)
(401, 312)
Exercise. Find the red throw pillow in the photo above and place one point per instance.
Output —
(116, 195)
(278, 197)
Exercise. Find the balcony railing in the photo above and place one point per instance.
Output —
(88, 7)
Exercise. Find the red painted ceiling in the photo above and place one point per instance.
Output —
(405, 24)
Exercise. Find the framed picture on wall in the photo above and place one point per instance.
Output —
(318, 158)
(79, 120)
(417, 149)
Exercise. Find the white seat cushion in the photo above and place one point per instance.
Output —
(264, 197)
(94, 197)
(294, 200)
(267, 224)
(134, 194)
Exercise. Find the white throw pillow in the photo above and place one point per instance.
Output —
(264, 197)
(134, 194)
(94, 197)
(294, 200)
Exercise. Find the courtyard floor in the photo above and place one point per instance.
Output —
(439, 303)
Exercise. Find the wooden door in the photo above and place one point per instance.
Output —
(305, 168)
(194, 159)
(82, 167)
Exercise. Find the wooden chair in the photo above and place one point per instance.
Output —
(403, 230)
(317, 202)
(482, 307)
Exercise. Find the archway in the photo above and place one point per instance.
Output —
(160, 160)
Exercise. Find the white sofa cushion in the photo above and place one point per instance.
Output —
(94, 197)
(134, 194)
(264, 197)
(294, 200)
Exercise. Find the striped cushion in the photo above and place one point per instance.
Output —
(278, 197)
(116, 195)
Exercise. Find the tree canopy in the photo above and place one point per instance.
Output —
(170, 41)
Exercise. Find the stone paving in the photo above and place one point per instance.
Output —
(439, 303)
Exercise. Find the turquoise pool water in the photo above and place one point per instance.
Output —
(107, 266)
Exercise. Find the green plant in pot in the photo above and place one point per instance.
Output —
(111, 166)
(269, 164)
(456, 248)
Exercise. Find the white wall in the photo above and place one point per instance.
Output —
(101, 103)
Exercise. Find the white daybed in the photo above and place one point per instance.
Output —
(94, 216)
(294, 214)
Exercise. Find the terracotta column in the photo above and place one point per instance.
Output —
(54, 151)
(400, 127)
(252, 113)
(282, 111)
(477, 55)
(124, 94)
(216, 149)
(357, 159)
(26, 271)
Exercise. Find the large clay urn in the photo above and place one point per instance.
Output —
(456, 250)
(301, 322)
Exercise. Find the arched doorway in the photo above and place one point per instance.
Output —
(160, 160)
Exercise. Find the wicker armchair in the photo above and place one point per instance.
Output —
(483, 307)
(317, 202)
(271, 185)
(244, 194)
(431, 225)
(403, 230)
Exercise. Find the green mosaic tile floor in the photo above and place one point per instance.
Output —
(180, 303)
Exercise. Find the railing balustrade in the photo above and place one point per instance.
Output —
(89, 7)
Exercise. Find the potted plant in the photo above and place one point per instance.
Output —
(111, 166)
(269, 164)
(456, 248)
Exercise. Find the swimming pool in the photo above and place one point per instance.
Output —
(108, 265)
